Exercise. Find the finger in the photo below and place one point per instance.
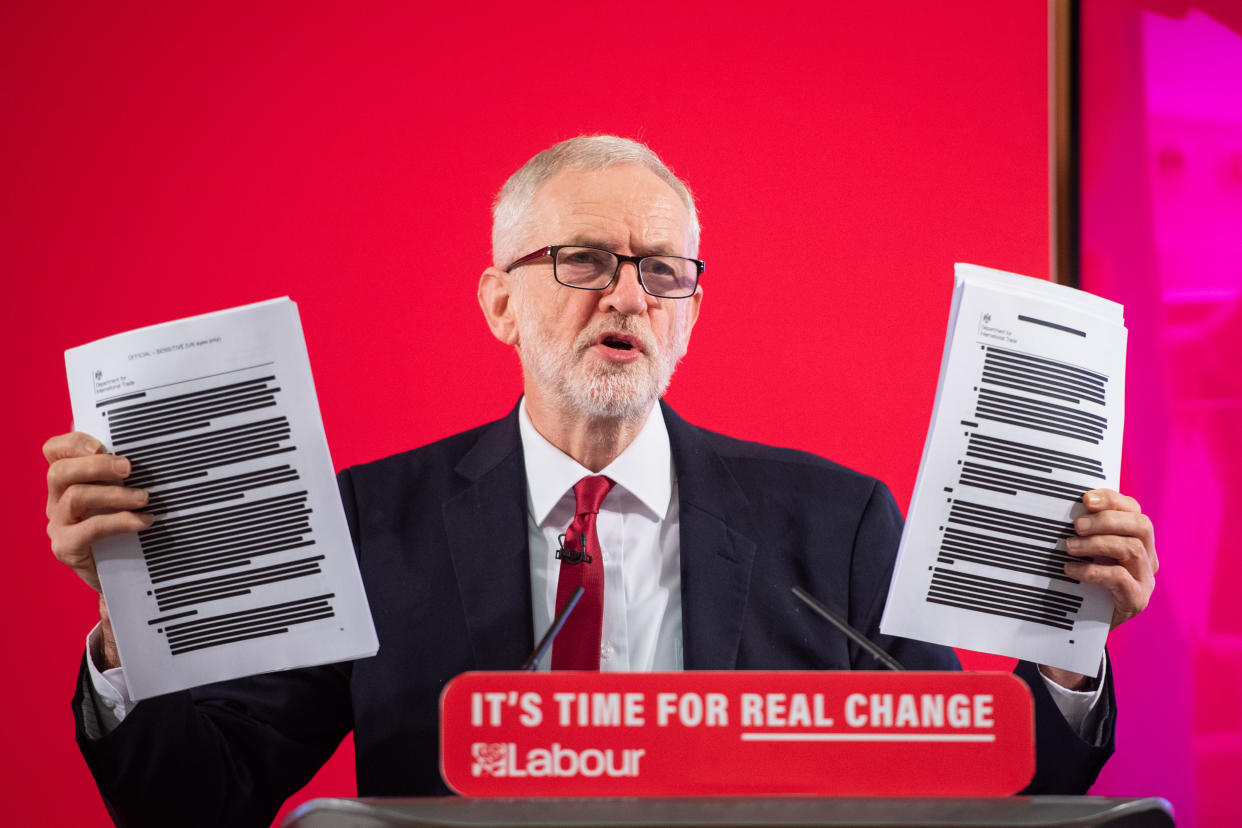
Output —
(73, 444)
(72, 545)
(97, 468)
(1097, 500)
(1113, 522)
(1122, 549)
(81, 500)
(1129, 594)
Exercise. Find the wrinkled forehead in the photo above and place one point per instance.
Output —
(624, 206)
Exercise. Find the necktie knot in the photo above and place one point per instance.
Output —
(589, 493)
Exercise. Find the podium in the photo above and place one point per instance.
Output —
(806, 812)
(752, 749)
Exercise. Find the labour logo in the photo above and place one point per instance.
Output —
(489, 758)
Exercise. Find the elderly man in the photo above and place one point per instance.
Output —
(468, 546)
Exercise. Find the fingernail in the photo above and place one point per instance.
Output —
(140, 496)
(1073, 544)
(90, 447)
(1094, 499)
(147, 518)
(121, 466)
(1081, 524)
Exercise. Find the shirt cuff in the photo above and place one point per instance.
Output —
(109, 695)
(1081, 708)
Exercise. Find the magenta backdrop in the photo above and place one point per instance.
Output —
(1162, 233)
(162, 162)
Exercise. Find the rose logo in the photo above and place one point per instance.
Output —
(489, 758)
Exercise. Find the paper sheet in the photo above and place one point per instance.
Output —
(249, 567)
(1028, 416)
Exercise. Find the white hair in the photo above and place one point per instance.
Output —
(586, 152)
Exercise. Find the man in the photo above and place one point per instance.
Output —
(697, 537)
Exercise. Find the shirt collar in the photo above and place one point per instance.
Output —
(644, 469)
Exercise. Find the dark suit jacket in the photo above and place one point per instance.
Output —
(440, 534)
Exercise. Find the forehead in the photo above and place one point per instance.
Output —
(625, 206)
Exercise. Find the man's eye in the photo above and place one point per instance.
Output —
(584, 257)
(659, 267)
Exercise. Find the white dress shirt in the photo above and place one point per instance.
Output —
(638, 525)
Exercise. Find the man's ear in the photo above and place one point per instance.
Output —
(496, 300)
(692, 313)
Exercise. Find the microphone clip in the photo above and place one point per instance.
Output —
(572, 556)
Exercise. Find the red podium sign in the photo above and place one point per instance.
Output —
(745, 733)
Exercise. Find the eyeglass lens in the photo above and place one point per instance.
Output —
(591, 268)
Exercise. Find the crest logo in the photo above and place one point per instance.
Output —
(489, 758)
(98, 375)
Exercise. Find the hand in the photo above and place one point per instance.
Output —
(1120, 542)
(84, 502)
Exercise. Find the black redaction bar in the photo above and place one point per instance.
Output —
(1033, 414)
(1031, 457)
(1004, 554)
(1047, 530)
(229, 586)
(198, 634)
(997, 597)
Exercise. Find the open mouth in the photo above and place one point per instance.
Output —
(619, 341)
(618, 344)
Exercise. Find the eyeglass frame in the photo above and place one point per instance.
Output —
(552, 249)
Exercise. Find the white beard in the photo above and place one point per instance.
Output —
(592, 387)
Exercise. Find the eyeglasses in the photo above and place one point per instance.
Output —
(589, 268)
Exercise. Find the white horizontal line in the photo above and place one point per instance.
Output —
(868, 737)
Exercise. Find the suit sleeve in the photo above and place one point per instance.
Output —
(221, 754)
(1065, 763)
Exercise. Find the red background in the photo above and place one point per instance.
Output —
(163, 162)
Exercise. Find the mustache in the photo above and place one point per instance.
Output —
(617, 323)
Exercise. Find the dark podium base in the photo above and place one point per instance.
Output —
(809, 812)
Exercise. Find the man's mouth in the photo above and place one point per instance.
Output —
(619, 342)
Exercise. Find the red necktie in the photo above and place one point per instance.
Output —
(577, 647)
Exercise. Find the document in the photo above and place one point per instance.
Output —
(249, 566)
(1028, 416)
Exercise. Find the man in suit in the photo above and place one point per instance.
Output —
(695, 538)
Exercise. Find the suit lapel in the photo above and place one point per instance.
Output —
(486, 527)
(717, 549)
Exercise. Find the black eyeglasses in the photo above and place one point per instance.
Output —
(589, 268)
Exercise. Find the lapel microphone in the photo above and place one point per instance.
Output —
(572, 556)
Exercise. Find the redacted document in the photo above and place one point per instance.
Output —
(1028, 417)
(248, 567)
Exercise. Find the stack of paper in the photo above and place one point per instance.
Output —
(249, 566)
(1028, 416)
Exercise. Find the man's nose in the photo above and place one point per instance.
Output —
(626, 294)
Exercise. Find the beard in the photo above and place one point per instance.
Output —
(592, 387)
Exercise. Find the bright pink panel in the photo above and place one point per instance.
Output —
(1162, 233)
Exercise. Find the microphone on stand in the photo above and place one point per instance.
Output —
(850, 633)
(545, 643)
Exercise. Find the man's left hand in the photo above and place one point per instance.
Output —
(1118, 547)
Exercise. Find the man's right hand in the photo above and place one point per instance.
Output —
(85, 503)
